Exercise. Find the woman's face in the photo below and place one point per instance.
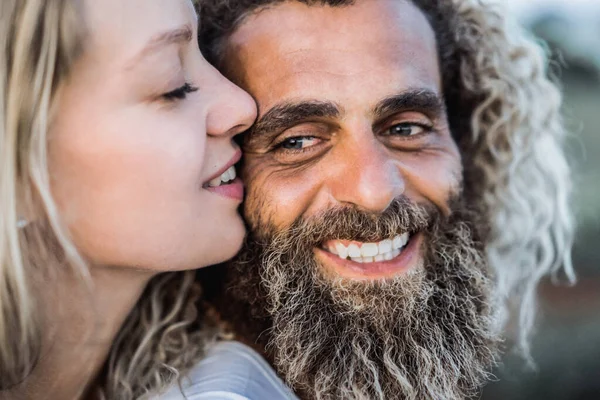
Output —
(142, 127)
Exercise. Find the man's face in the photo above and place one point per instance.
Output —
(351, 114)
(363, 273)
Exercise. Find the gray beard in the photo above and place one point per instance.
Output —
(426, 334)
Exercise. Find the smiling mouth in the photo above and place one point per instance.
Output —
(226, 178)
(350, 259)
(364, 253)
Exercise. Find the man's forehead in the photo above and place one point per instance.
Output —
(294, 23)
(302, 50)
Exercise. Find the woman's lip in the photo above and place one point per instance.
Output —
(372, 271)
(236, 158)
(233, 190)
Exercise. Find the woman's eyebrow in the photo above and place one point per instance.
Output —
(179, 35)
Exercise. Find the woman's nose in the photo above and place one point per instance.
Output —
(233, 110)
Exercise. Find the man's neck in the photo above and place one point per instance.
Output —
(80, 328)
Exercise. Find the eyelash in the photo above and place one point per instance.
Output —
(180, 93)
(279, 146)
(427, 128)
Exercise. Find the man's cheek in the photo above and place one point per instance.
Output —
(262, 206)
(436, 178)
(276, 198)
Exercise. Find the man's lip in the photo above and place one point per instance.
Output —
(371, 271)
(236, 158)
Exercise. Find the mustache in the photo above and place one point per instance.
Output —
(350, 223)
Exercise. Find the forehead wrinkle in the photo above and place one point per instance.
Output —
(331, 61)
(292, 24)
(289, 27)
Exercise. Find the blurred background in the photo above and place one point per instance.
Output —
(566, 347)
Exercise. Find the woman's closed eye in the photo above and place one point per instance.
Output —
(180, 93)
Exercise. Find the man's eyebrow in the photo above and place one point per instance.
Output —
(183, 34)
(425, 101)
(285, 115)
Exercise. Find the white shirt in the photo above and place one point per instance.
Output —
(230, 371)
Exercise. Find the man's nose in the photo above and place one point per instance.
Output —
(368, 177)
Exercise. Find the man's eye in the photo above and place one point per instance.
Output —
(180, 93)
(407, 129)
(298, 143)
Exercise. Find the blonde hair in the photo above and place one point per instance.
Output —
(504, 111)
(40, 40)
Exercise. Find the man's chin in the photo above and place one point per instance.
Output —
(405, 259)
(417, 325)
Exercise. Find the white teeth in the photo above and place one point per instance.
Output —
(369, 250)
(400, 241)
(378, 258)
(354, 251)
(385, 250)
(404, 238)
(385, 246)
(333, 250)
(215, 182)
(232, 174)
(228, 175)
(225, 177)
(342, 251)
(397, 242)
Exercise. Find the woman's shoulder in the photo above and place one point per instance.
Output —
(230, 371)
